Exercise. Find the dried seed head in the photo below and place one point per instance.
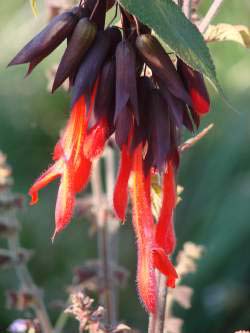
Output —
(5, 174)
(8, 227)
(20, 300)
(79, 43)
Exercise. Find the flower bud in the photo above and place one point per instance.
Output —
(195, 85)
(126, 91)
(105, 96)
(175, 105)
(159, 129)
(87, 74)
(79, 43)
(162, 66)
(48, 39)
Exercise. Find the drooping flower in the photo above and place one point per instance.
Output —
(194, 82)
(70, 164)
(114, 93)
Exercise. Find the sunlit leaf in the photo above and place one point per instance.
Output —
(227, 32)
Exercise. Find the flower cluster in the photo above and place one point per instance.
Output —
(123, 83)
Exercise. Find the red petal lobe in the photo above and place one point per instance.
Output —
(120, 198)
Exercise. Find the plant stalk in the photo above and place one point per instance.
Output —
(27, 283)
(157, 321)
(107, 232)
(211, 13)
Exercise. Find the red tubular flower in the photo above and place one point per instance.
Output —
(48, 176)
(195, 84)
(96, 139)
(165, 236)
(65, 202)
(70, 164)
(165, 266)
(120, 198)
(152, 250)
(144, 230)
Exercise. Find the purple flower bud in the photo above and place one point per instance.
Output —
(161, 65)
(93, 61)
(105, 96)
(48, 39)
(175, 105)
(159, 129)
(79, 43)
(126, 107)
(145, 85)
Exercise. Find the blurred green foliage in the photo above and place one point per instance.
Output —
(215, 210)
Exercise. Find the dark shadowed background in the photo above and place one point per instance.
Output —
(214, 212)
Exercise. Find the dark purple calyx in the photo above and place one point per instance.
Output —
(48, 39)
(82, 38)
(105, 96)
(126, 90)
(159, 136)
(91, 66)
(162, 66)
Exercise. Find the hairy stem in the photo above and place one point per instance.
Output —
(151, 323)
(157, 321)
(211, 13)
(161, 304)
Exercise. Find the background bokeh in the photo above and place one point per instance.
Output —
(214, 212)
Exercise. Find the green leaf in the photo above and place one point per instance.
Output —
(34, 7)
(168, 21)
